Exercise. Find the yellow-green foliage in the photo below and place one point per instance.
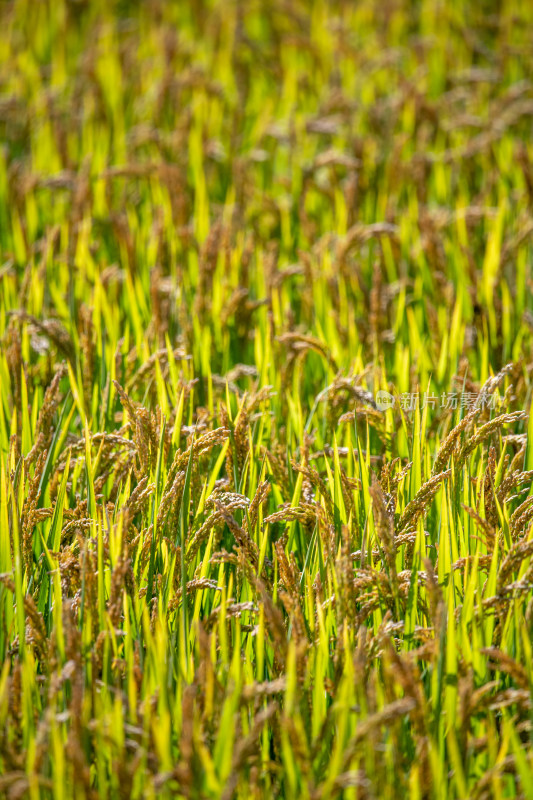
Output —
(224, 227)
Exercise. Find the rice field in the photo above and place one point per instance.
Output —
(266, 368)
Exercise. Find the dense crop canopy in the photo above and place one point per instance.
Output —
(266, 325)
